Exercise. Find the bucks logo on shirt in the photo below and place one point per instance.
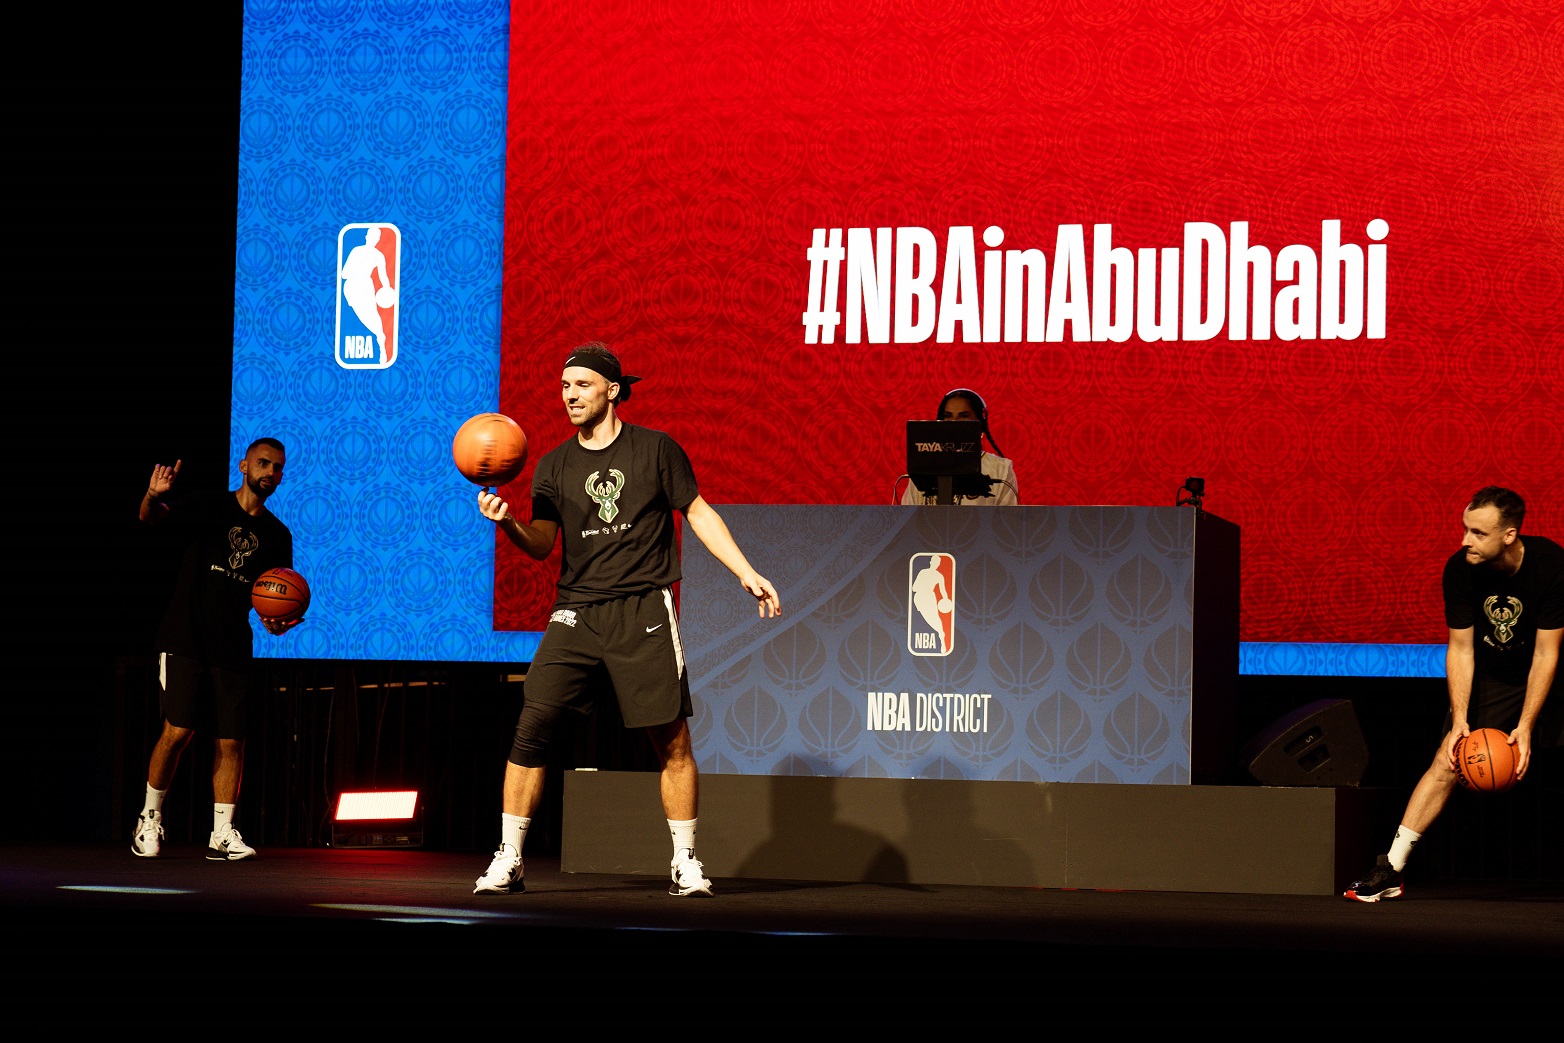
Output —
(606, 494)
(1504, 618)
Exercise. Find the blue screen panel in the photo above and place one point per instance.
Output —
(367, 312)
(1304, 659)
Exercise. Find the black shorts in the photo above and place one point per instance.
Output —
(191, 687)
(1498, 704)
(636, 638)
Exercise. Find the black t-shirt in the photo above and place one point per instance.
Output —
(615, 509)
(1507, 610)
(226, 550)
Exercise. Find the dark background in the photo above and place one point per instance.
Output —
(126, 299)
(127, 295)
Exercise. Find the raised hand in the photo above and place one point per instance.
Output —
(493, 508)
(162, 479)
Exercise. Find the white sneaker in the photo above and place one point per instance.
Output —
(148, 842)
(227, 845)
(687, 876)
(504, 875)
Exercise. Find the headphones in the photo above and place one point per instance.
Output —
(982, 412)
(971, 396)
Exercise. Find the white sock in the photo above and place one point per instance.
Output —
(683, 831)
(513, 830)
(222, 815)
(154, 805)
(1401, 847)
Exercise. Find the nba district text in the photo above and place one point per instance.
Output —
(928, 711)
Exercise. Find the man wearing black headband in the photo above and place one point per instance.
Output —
(610, 493)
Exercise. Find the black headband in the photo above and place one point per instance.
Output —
(605, 365)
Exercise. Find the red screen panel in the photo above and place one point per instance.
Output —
(670, 165)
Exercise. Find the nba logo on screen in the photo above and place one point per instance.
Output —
(931, 604)
(368, 295)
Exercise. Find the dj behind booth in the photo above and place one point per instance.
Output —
(946, 461)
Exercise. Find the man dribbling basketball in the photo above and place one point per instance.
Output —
(609, 493)
(204, 640)
(1504, 605)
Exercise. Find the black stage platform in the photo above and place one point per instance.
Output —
(388, 933)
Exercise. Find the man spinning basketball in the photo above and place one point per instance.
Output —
(610, 493)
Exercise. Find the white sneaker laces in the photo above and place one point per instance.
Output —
(504, 864)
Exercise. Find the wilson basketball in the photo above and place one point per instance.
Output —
(280, 594)
(1486, 761)
(489, 449)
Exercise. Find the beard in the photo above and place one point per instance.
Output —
(263, 491)
(589, 415)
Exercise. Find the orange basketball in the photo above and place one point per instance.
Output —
(280, 594)
(1486, 761)
(489, 449)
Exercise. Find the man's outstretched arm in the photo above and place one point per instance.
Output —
(707, 524)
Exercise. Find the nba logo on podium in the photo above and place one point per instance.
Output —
(369, 304)
(931, 604)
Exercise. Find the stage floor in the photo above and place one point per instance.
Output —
(409, 917)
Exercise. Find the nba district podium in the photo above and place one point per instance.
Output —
(1032, 696)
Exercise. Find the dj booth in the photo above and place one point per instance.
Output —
(1079, 644)
(1033, 696)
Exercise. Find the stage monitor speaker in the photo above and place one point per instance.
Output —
(1320, 744)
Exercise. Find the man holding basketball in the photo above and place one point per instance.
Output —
(609, 493)
(204, 640)
(1504, 605)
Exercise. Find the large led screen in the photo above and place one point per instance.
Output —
(1311, 253)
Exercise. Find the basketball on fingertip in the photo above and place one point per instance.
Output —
(489, 449)
(280, 595)
(1486, 761)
